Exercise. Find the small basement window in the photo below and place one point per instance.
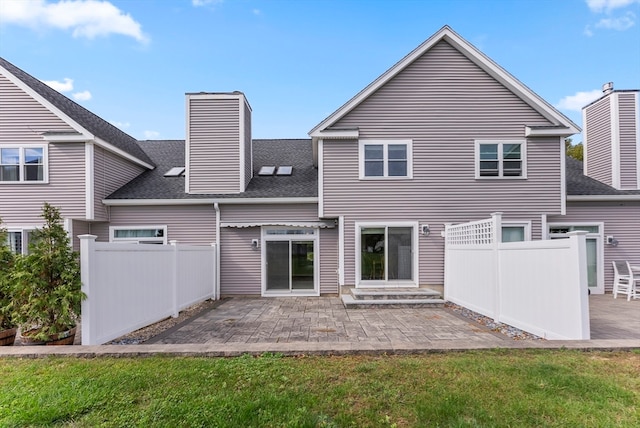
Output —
(267, 170)
(285, 170)
(176, 171)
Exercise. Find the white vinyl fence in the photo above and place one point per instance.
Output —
(130, 286)
(537, 286)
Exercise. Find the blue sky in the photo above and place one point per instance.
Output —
(131, 62)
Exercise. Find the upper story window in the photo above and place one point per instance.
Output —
(500, 159)
(386, 159)
(23, 164)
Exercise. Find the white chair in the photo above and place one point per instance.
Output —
(634, 279)
(622, 279)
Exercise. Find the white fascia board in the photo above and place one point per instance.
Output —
(473, 54)
(66, 138)
(602, 198)
(210, 201)
(113, 149)
(547, 132)
(216, 95)
(337, 134)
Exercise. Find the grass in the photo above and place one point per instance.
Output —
(473, 389)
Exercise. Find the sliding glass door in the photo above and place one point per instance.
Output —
(289, 261)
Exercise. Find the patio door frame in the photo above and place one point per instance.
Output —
(598, 237)
(290, 235)
(414, 281)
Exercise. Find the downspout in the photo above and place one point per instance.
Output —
(216, 207)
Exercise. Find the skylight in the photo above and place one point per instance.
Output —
(176, 171)
(284, 170)
(267, 170)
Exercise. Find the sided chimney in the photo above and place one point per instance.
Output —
(218, 143)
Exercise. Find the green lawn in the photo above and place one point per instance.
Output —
(477, 389)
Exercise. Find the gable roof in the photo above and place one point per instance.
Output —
(153, 185)
(562, 124)
(78, 117)
(582, 187)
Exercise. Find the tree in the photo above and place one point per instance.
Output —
(574, 151)
(47, 280)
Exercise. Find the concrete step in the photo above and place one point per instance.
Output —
(350, 303)
(394, 294)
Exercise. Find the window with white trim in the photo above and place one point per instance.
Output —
(516, 231)
(18, 240)
(385, 159)
(139, 234)
(23, 164)
(500, 159)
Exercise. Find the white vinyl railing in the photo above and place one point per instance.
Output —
(130, 286)
(537, 286)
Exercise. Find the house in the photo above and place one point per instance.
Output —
(444, 136)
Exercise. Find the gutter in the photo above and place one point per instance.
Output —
(216, 292)
(210, 201)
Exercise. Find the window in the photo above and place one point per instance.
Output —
(500, 159)
(516, 231)
(387, 254)
(18, 240)
(385, 159)
(23, 164)
(139, 235)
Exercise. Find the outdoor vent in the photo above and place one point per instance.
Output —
(607, 88)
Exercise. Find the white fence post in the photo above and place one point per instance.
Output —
(580, 237)
(174, 279)
(87, 243)
(497, 240)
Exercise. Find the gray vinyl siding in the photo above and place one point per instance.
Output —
(628, 109)
(79, 227)
(240, 264)
(21, 204)
(214, 145)
(598, 141)
(110, 173)
(248, 165)
(621, 220)
(188, 224)
(267, 213)
(328, 261)
(443, 103)
(23, 119)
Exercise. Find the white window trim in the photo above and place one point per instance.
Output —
(23, 229)
(135, 240)
(45, 165)
(315, 237)
(415, 251)
(523, 151)
(598, 236)
(386, 143)
(526, 224)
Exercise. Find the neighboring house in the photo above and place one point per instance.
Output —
(444, 136)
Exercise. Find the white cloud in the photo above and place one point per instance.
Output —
(82, 96)
(121, 125)
(620, 24)
(85, 18)
(256, 11)
(65, 86)
(598, 6)
(198, 3)
(579, 100)
(151, 135)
